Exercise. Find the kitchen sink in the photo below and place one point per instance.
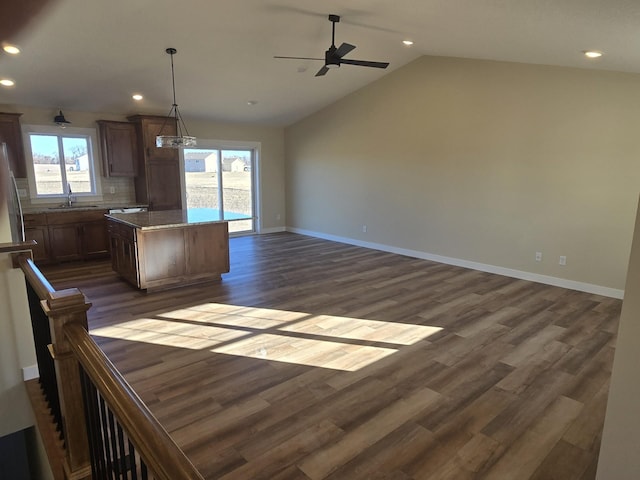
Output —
(64, 206)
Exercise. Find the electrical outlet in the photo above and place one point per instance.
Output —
(563, 260)
(364, 229)
(538, 256)
(112, 190)
(278, 216)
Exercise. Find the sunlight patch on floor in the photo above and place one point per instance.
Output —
(326, 341)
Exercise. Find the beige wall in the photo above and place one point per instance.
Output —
(482, 161)
(271, 163)
(619, 459)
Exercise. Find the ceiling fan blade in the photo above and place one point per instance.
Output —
(343, 50)
(365, 63)
(300, 58)
(322, 71)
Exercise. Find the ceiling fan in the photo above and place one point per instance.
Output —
(333, 57)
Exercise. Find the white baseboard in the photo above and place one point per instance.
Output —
(507, 272)
(30, 372)
(273, 230)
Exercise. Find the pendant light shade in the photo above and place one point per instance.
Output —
(182, 138)
(60, 120)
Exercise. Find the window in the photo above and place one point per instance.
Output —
(61, 160)
(222, 180)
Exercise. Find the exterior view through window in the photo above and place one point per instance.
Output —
(60, 162)
(222, 181)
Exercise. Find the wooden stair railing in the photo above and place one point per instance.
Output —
(108, 431)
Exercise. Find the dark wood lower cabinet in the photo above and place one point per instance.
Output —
(95, 239)
(66, 236)
(65, 242)
(41, 236)
(159, 258)
(124, 252)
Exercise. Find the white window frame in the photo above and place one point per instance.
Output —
(94, 163)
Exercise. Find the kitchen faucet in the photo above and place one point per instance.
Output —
(69, 199)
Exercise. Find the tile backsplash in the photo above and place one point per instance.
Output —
(124, 193)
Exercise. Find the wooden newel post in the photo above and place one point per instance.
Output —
(65, 307)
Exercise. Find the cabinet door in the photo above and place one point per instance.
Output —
(96, 241)
(11, 134)
(119, 148)
(128, 261)
(151, 128)
(124, 252)
(41, 250)
(163, 183)
(65, 242)
(114, 248)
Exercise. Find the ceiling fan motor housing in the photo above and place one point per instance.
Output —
(330, 58)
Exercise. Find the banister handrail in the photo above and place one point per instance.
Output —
(148, 435)
(78, 357)
(34, 276)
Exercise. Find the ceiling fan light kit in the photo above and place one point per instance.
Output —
(182, 138)
(333, 57)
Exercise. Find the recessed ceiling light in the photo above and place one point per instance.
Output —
(12, 49)
(251, 103)
(7, 83)
(592, 54)
(137, 97)
(408, 43)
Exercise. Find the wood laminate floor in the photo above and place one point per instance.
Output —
(313, 359)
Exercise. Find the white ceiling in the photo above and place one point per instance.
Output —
(92, 55)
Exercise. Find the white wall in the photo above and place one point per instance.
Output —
(16, 341)
(619, 453)
(480, 161)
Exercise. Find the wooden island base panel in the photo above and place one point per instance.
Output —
(165, 249)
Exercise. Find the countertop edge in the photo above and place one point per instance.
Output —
(119, 219)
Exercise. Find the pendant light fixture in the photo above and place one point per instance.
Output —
(182, 138)
(60, 120)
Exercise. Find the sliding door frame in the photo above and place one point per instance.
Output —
(254, 147)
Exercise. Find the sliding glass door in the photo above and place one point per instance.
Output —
(222, 181)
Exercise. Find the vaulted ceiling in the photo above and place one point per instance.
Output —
(93, 55)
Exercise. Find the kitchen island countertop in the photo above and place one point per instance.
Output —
(171, 218)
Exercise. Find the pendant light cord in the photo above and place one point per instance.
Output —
(173, 78)
(180, 125)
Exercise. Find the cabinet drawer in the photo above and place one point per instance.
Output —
(120, 230)
(35, 220)
(63, 218)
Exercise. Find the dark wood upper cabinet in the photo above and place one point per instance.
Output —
(11, 134)
(158, 181)
(149, 127)
(119, 147)
(163, 183)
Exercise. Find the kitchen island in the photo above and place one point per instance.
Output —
(164, 249)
